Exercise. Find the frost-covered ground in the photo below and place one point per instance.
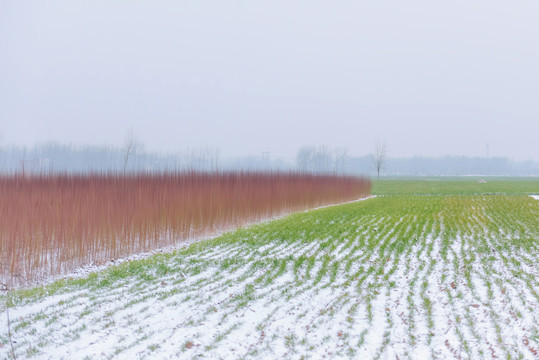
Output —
(393, 278)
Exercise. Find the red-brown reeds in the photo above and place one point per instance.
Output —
(50, 224)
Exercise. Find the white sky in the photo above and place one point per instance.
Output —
(428, 77)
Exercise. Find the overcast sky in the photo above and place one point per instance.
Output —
(428, 77)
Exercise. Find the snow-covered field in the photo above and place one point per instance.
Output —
(391, 278)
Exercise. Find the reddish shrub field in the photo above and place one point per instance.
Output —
(50, 224)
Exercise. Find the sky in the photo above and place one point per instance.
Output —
(428, 78)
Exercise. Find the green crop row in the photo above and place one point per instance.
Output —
(457, 186)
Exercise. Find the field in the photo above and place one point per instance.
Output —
(51, 224)
(439, 268)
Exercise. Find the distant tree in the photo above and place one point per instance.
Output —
(379, 158)
(304, 158)
(320, 159)
(132, 146)
(340, 155)
(23, 161)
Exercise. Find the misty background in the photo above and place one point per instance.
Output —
(450, 87)
(56, 157)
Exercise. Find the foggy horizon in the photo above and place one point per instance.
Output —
(429, 79)
(36, 148)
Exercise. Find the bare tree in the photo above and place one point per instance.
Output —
(132, 146)
(23, 161)
(304, 158)
(339, 159)
(379, 158)
(321, 159)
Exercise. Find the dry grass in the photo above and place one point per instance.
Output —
(50, 224)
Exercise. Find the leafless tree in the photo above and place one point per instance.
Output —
(321, 159)
(379, 158)
(339, 159)
(198, 159)
(304, 158)
(23, 161)
(132, 146)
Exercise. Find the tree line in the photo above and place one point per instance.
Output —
(133, 156)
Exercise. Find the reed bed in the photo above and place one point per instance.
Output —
(50, 224)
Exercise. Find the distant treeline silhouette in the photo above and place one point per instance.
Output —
(59, 158)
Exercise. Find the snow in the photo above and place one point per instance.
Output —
(536, 197)
(347, 202)
(127, 322)
(202, 308)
